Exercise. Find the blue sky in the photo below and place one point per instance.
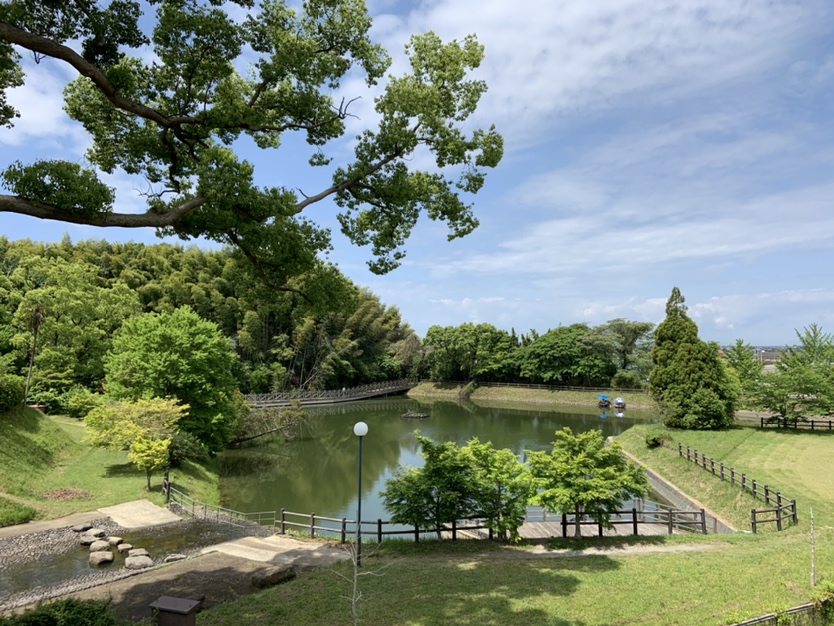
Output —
(649, 144)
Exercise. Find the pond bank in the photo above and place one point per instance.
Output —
(454, 392)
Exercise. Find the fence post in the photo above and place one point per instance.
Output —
(703, 521)
(732, 476)
(795, 515)
(680, 450)
(704, 461)
(753, 519)
(416, 534)
(722, 471)
(762, 424)
(454, 530)
(379, 530)
(767, 494)
(779, 518)
(687, 454)
(634, 521)
(564, 525)
(755, 493)
(344, 529)
(671, 527)
(712, 466)
(313, 526)
(743, 481)
(283, 520)
(599, 528)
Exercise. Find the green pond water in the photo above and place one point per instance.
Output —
(318, 472)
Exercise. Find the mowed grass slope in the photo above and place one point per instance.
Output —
(799, 464)
(46, 467)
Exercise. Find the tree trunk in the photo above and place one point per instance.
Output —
(149, 479)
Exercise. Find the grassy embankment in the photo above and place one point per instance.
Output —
(46, 471)
(513, 396)
(725, 579)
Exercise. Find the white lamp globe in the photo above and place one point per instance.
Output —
(360, 429)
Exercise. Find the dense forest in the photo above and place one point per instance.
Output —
(63, 304)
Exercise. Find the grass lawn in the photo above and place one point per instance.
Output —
(480, 584)
(45, 467)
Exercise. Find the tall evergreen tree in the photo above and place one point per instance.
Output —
(689, 381)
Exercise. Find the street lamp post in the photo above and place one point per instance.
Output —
(360, 429)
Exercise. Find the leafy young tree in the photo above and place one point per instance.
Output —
(505, 487)
(167, 105)
(741, 358)
(583, 475)
(689, 380)
(145, 428)
(445, 489)
(468, 352)
(803, 383)
(178, 355)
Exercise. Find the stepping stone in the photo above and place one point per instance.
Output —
(100, 558)
(138, 562)
(99, 546)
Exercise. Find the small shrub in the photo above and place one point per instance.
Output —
(185, 447)
(626, 379)
(654, 441)
(50, 399)
(12, 391)
(67, 612)
(79, 401)
(12, 513)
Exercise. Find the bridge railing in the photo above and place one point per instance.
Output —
(353, 392)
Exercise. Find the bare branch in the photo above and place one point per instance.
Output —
(23, 206)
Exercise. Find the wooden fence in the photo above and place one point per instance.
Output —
(785, 508)
(784, 422)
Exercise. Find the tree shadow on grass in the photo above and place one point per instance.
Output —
(119, 470)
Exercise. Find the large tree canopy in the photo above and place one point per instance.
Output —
(169, 103)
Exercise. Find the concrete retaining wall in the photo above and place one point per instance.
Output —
(682, 501)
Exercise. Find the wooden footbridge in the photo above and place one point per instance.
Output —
(330, 396)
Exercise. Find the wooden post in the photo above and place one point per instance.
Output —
(703, 521)
(283, 521)
(671, 527)
(795, 515)
(755, 494)
(779, 518)
(634, 521)
(378, 530)
(313, 526)
(712, 466)
(732, 476)
(704, 461)
(687, 453)
(454, 530)
(743, 481)
(767, 494)
(680, 449)
(564, 525)
(416, 534)
(344, 529)
(753, 519)
(722, 471)
(599, 528)
(762, 422)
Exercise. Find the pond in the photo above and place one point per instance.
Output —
(318, 472)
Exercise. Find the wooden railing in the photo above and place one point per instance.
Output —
(785, 508)
(784, 422)
(694, 521)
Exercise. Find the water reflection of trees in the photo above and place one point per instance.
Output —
(317, 472)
